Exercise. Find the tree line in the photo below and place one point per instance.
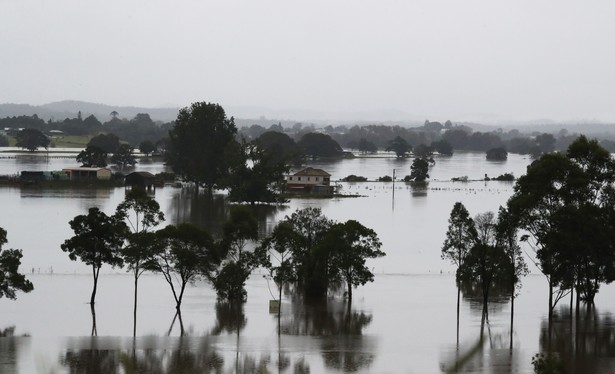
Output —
(306, 250)
(563, 211)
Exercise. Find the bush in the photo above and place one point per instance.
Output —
(507, 177)
(386, 178)
(354, 178)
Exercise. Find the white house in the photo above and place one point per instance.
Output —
(309, 179)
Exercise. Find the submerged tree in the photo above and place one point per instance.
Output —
(565, 204)
(419, 170)
(142, 214)
(185, 254)
(398, 145)
(92, 156)
(124, 156)
(98, 240)
(347, 246)
(11, 280)
(239, 261)
(31, 139)
(460, 237)
(506, 236)
(199, 142)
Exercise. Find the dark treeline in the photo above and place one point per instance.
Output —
(370, 138)
(133, 131)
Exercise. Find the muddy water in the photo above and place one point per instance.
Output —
(404, 322)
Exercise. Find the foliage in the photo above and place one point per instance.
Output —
(548, 363)
(442, 147)
(280, 147)
(422, 151)
(419, 170)
(386, 178)
(316, 145)
(354, 178)
(238, 262)
(186, 253)
(366, 146)
(315, 253)
(92, 156)
(124, 156)
(98, 240)
(460, 236)
(497, 154)
(107, 142)
(31, 139)
(486, 264)
(347, 246)
(199, 144)
(4, 141)
(565, 203)
(147, 147)
(11, 280)
(506, 177)
(258, 177)
(398, 145)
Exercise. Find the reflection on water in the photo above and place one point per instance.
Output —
(584, 340)
(340, 327)
(9, 349)
(210, 212)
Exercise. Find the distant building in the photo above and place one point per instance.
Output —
(310, 180)
(88, 173)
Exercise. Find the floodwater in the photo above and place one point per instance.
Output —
(404, 322)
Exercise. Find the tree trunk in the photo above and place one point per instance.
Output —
(95, 276)
(94, 330)
(349, 292)
(458, 305)
(512, 315)
(134, 314)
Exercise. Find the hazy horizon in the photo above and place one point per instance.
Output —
(349, 60)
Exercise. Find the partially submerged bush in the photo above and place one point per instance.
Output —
(354, 178)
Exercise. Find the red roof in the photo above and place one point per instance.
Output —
(310, 172)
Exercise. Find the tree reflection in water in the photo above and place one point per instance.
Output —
(9, 346)
(150, 355)
(343, 345)
(210, 212)
(584, 340)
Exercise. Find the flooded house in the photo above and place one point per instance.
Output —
(310, 180)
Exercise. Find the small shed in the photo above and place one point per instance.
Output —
(88, 173)
(142, 179)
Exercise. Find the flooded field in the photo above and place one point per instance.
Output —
(404, 322)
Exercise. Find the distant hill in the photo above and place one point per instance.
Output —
(69, 109)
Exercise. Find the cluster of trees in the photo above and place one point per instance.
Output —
(308, 250)
(565, 208)
(132, 131)
(100, 146)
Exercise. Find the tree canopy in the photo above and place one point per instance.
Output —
(92, 156)
(31, 139)
(98, 240)
(11, 280)
(316, 145)
(199, 144)
(399, 145)
(124, 156)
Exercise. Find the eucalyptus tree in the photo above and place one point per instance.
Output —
(507, 238)
(239, 260)
(486, 264)
(565, 205)
(460, 237)
(186, 252)
(11, 280)
(98, 240)
(279, 246)
(142, 214)
(347, 246)
(199, 143)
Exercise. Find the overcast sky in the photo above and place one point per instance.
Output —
(436, 59)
